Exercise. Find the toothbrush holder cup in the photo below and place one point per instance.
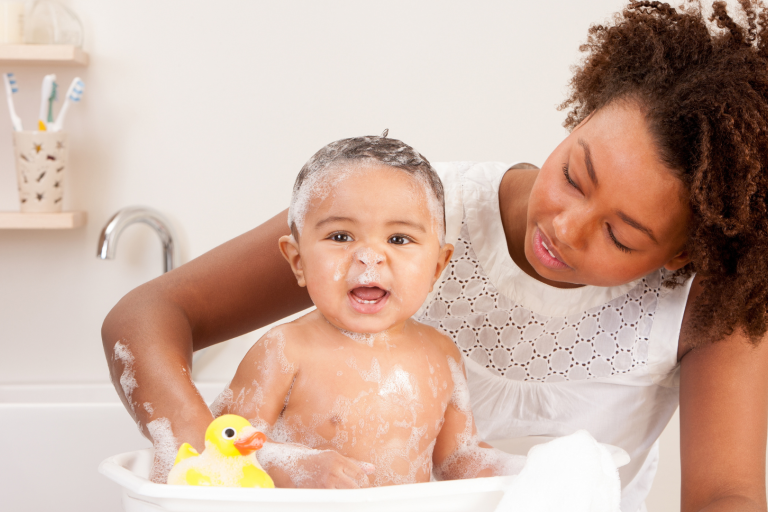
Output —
(41, 166)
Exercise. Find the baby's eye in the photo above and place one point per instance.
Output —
(340, 237)
(399, 240)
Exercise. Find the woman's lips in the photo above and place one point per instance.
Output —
(368, 299)
(545, 252)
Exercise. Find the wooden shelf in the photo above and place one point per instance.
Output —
(63, 220)
(43, 54)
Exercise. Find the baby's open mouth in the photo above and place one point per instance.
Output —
(368, 294)
(368, 300)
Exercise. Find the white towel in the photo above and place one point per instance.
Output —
(573, 473)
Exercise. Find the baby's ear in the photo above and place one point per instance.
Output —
(446, 251)
(289, 247)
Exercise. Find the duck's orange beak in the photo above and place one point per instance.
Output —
(249, 441)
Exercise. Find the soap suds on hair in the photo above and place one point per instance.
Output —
(328, 167)
(165, 447)
(128, 377)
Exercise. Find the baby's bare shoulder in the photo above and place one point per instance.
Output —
(440, 341)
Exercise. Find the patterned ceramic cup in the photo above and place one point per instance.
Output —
(41, 164)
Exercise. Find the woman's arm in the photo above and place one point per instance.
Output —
(237, 287)
(723, 425)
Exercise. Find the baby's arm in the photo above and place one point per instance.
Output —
(258, 393)
(458, 452)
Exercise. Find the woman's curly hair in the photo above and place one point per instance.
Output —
(702, 82)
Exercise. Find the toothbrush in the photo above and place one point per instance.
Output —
(54, 97)
(10, 90)
(74, 93)
(45, 99)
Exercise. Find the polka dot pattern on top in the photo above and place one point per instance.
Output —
(519, 344)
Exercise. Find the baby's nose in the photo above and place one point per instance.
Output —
(369, 257)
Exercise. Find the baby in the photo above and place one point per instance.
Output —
(357, 393)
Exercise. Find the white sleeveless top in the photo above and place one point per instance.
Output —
(548, 361)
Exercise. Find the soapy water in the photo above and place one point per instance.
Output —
(148, 407)
(128, 377)
(165, 446)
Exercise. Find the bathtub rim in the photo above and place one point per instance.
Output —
(115, 469)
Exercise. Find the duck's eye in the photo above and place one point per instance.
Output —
(229, 433)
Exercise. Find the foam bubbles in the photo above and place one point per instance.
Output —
(165, 446)
(371, 259)
(148, 407)
(363, 338)
(372, 375)
(320, 184)
(470, 459)
(128, 377)
(400, 384)
(222, 403)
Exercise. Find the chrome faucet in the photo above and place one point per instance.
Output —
(131, 215)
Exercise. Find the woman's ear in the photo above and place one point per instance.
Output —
(680, 260)
(289, 247)
(446, 251)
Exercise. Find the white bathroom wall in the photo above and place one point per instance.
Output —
(207, 110)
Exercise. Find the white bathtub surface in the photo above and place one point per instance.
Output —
(130, 471)
(140, 495)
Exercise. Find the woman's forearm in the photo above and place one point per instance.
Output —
(149, 336)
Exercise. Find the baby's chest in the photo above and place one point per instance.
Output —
(365, 402)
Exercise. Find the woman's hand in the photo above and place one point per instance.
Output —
(292, 465)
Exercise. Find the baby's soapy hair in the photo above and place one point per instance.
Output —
(702, 82)
(334, 161)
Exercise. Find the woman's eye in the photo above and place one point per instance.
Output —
(341, 237)
(568, 177)
(621, 247)
(399, 240)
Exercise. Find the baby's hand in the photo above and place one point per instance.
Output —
(331, 470)
(292, 465)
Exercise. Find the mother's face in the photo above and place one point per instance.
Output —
(604, 209)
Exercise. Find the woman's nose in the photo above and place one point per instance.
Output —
(570, 227)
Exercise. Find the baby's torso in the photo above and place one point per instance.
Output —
(381, 404)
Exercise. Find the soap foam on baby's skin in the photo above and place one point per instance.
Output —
(371, 259)
(128, 377)
(472, 457)
(164, 443)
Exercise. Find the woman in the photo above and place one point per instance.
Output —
(625, 275)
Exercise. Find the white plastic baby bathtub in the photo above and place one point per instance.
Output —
(130, 471)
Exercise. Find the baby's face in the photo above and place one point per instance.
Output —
(369, 252)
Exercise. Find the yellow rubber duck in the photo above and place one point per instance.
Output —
(228, 459)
